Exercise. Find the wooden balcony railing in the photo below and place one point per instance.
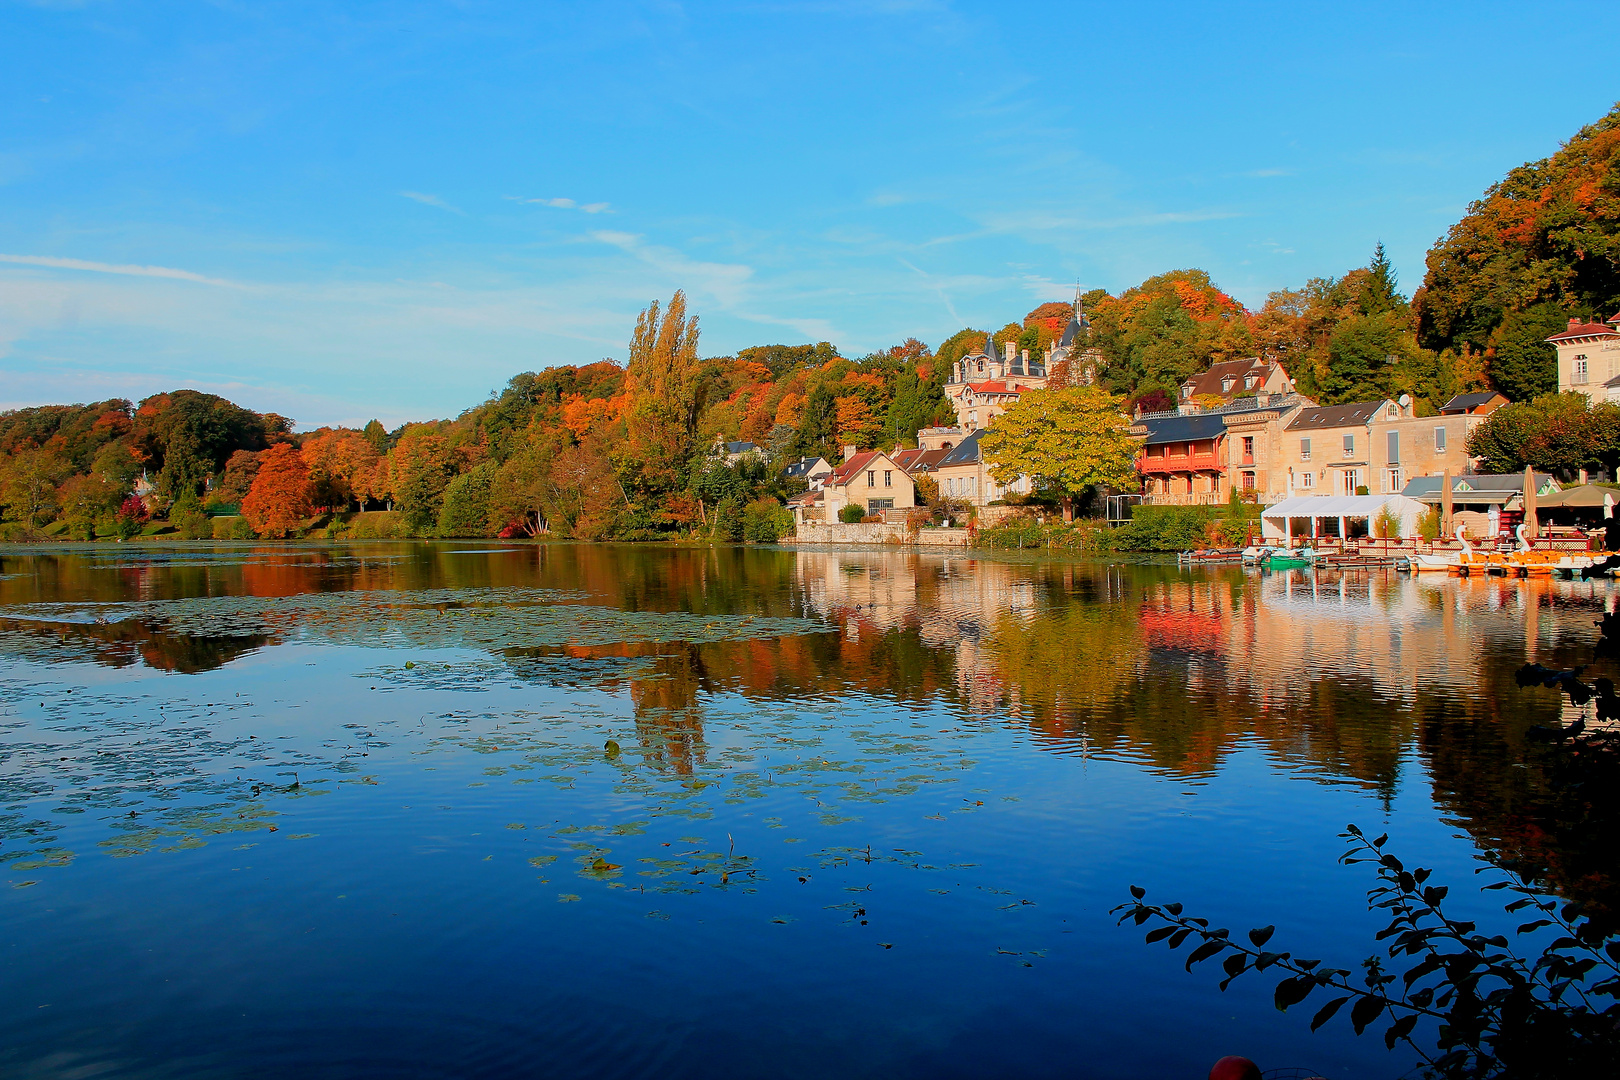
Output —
(1179, 463)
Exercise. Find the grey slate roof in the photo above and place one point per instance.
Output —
(1467, 402)
(965, 452)
(1335, 416)
(740, 447)
(1179, 429)
(1474, 488)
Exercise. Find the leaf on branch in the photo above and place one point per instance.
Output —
(1400, 1029)
(1292, 992)
(1365, 1012)
(1160, 934)
(1326, 1012)
(1138, 892)
(1262, 935)
(1204, 952)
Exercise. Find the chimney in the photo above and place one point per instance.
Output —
(1574, 322)
(1025, 355)
(1008, 349)
(1262, 399)
(849, 452)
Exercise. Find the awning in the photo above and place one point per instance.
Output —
(1336, 506)
(1584, 495)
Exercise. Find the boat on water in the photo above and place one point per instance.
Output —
(1255, 554)
(1452, 562)
(1289, 560)
(1211, 555)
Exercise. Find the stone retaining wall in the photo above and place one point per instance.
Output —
(875, 533)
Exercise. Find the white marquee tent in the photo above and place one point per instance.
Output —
(1277, 522)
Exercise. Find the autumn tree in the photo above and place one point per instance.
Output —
(1064, 440)
(278, 501)
(662, 378)
(28, 482)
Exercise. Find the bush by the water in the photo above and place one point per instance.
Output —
(766, 521)
(1184, 528)
(851, 514)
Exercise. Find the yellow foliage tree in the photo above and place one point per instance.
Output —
(1065, 440)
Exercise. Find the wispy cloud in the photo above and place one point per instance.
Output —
(433, 200)
(938, 291)
(567, 204)
(726, 282)
(124, 269)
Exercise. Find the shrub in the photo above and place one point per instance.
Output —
(376, 525)
(766, 521)
(852, 514)
(1428, 525)
(727, 523)
(1387, 525)
(232, 527)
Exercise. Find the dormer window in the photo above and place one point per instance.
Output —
(1393, 412)
(1186, 392)
(1227, 384)
(1249, 381)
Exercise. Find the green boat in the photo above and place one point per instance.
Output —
(1290, 560)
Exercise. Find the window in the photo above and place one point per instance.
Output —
(1248, 448)
(1352, 480)
(888, 478)
(1186, 392)
(1349, 446)
(1439, 440)
(1578, 370)
(1394, 447)
(1248, 481)
(871, 478)
(874, 506)
(1304, 449)
(1307, 480)
(1392, 481)
(1227, 384)
(1393, 412)
(1248, 382)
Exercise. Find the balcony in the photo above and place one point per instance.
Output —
(1174, 463)
(1184, 498)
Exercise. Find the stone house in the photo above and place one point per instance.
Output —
(963, 473)
(1589, 359)
(1379, 445)
(872, 480)
(1232, 379)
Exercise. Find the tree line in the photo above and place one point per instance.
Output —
(609, 451)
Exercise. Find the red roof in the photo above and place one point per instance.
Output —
(993, 387)
(918, 460)
(1578, 329)
(847, 471)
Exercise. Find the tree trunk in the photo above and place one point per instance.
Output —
(1068, 509)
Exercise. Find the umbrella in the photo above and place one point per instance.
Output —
(1445, 504)
(1584, 496)
(1530, 529)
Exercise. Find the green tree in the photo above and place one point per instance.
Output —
(665, 380)
(376, 436)
(1523, 364)
(467, 502)
(818, 427)
(1065, 440)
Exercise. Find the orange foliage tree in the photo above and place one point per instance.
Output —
(279, 497)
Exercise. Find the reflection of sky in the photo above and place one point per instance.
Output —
(863, 818)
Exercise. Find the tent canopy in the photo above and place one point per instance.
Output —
(1584, 495)
(1275, 519)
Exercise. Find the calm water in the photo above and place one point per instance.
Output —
(438, 810)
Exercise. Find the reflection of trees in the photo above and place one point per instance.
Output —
(669, 722)
(126, 643)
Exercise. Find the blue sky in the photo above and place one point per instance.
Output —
(340, 211)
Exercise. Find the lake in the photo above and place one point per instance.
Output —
(502, 810)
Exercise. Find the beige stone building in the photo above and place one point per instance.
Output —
(1589, 359)
(871, 479)
(1377, 445)
(1233, 379)
(963, 473)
